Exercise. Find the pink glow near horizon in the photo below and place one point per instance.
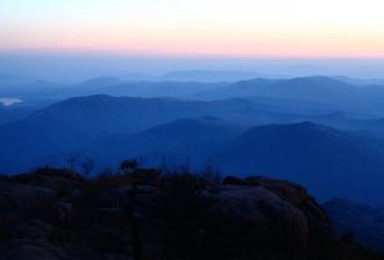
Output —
(272, 28)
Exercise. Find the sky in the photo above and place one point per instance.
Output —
(228, 28)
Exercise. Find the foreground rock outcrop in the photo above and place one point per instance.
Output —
(57, 214)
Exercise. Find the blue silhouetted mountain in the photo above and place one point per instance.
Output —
(178, 142)
(287, 88)
(101, 82)
(329, 92)
(211, 76)
(9, 114)
(360, 81)
(328, 161)
(73, 123)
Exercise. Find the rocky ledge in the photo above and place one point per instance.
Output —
(57, 214)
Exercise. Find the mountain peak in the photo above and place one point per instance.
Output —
(101, 82)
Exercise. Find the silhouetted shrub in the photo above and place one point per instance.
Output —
(231, 180)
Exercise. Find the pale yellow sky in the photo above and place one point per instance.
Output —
(304, 28)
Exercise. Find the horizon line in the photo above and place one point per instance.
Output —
(108, 52)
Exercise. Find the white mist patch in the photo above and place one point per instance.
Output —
(10, 101)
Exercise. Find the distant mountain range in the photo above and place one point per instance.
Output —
(259, 126)
(214, 76)
(73, 123)
(328, 92)
(360, 82)
(311, 94)
(110, 129)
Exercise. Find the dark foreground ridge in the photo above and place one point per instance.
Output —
(143, 214)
